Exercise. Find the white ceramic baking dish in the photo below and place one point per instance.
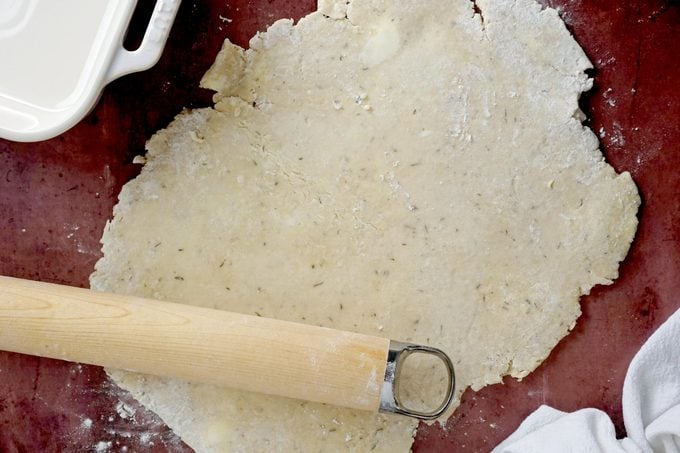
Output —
(56, 56)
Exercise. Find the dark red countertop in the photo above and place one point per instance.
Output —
(56, 196)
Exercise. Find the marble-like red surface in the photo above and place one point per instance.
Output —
(56, 196)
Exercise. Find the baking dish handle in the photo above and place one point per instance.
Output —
(149, 51)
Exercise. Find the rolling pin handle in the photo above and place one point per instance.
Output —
(389, 395)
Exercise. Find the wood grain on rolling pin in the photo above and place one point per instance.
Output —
(192, 343)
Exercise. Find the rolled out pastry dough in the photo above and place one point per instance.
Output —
(398, 168)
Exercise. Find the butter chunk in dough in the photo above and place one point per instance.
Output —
(400, 169)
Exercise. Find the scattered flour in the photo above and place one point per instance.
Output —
(103, 446)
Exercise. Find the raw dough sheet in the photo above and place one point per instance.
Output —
(405, 169)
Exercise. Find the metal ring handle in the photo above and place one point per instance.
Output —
(389, 397)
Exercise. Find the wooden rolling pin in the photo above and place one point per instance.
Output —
(204, 345)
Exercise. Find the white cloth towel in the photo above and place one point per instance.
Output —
(651, 409)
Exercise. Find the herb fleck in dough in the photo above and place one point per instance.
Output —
(402, 169)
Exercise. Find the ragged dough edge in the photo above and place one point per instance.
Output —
(570, 64)
(227, 70)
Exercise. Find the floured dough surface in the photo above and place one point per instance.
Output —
(401, 169)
